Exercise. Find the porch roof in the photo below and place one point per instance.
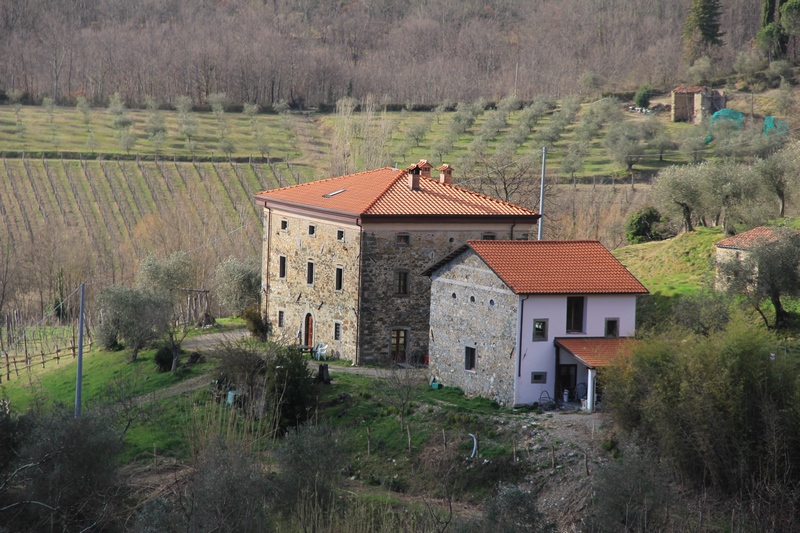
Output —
(595, 352)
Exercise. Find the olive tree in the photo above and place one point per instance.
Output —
(131, 314)
(238, 283)
(768, 271)
(677, 189)
(169, 277)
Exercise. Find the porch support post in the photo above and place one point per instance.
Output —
(590, 390)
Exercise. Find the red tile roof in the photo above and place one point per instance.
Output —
(596, 352)
(385, 191)
(689, 89)
(749, 239)
(557, 267)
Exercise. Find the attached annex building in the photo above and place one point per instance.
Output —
(519, 321)
(342, 257)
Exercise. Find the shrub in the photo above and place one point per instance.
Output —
(642, 226)
(308, 462)
(163, 358)
(256, 325)
(513, 509)
(642, 97)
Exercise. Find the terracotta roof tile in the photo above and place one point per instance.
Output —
(749, 239)
(385, 191)
(689, 89)
(557, 267)
(596, 352)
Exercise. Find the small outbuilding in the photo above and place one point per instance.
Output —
(693, 103)
(526, 321)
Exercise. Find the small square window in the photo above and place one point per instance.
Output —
(282, 266)
(403, 239)
(339, 282)
(539, 377)
(340, 235)
(284, 224)
(540, 329)
(337, 331)
(488, 236)
(281, 319)
(612, 328)
(401, 283)
(310, 273)
(469, 358)
(312, 230)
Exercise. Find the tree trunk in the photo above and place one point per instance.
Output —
(781, 316)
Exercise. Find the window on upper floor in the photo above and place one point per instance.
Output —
(401, 282)
(339, 280)
(312, 230)
(403, 239)
(310, 273)
(575, 309)
(284, 224)
(612, 328)
(539, 329)
(488, 236)
(340, 235)
(470, 358)
(282, 266)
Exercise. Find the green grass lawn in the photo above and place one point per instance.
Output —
(680, 265)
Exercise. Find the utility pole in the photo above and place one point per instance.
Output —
(79, 379)
(541, 192)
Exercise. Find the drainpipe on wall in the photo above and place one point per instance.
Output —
(265, 289)
(520, 325)
(590, 390)
(360, 289)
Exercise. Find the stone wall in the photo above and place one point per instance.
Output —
(472, 307)
(382, 309)
(295, 297)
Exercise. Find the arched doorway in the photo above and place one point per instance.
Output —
(309, 323)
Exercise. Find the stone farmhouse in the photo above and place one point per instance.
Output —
(694, 103)
(739, 246)
(523, 321)
(342, 257)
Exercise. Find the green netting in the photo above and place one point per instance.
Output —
(728, 114)
(774, 126)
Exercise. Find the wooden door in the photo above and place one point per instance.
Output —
(309, 338)
(398, 345)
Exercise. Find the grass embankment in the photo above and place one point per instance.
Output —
(680, 265)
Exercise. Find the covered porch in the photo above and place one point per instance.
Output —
(577, 361)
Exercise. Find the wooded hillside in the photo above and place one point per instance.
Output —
(315, 51)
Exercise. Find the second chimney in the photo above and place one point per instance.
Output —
(446, 174)
(413, 178)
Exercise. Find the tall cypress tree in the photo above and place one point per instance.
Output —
(702, 25)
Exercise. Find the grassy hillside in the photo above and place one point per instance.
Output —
(674, 266)
(302, 140)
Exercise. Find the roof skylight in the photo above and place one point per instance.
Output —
(332, 194)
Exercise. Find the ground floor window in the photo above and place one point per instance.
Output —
(281, 319)
(399, 344)
(470, 358)
(337, 331)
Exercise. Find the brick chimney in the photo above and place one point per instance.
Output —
(425, 168)
(413, 177)
(446, 174)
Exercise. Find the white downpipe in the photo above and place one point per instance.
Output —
(590, 390)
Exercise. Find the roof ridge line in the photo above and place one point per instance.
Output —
(476, 193)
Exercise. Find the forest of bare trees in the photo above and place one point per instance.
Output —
(313, 51)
